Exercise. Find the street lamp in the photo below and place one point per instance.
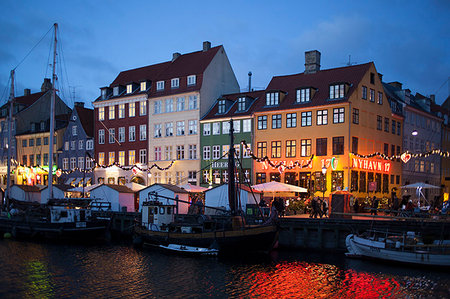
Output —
(414, 133)
(324, 173)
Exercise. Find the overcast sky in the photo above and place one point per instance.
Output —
(409, 41)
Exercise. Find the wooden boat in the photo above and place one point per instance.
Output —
(404, 248)
(188, 250)
(160, 225)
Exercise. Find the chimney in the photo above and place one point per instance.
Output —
(396, 84)
(26, 92)
(433, 98)
(249, 81)
(79, 104)
(47, 85)
(175, 56)
(206, 46)
(312, 62)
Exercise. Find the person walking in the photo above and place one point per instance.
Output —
(375, 203)
(325, 208)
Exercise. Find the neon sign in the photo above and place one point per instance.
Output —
(374, 165)
(285, 164)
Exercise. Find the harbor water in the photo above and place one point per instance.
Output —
(41, 270)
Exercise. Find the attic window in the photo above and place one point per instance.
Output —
(143, 86)
(303, 95)
(272, 98)
(104, 93)
(241, 104)
(129, 88)
(160, 85)
(175, 83)
(221, 106)
(116, 91)
(337, 91)
(191, 80)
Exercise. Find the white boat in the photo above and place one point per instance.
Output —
(190, 250)
(404, 248)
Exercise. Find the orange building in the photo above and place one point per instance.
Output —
(325, 116)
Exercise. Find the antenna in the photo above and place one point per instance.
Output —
(350, 63)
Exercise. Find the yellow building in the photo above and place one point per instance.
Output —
(312, 122)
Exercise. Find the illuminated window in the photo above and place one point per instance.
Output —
(101, 113)
(112, 112)
(276, 149)
(291, 148)
(101, 158)
(322, 117)
(337, 91)
(122, 157)
(143, 86)
(129, 88)
(143, 108)
(305, 148)
(111, 158)
(131, 157)
(261, 149)
(272, 98)
(380, 98)
(132, 109)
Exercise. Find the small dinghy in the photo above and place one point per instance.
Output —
(189, 250)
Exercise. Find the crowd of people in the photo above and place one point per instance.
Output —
(319, 207)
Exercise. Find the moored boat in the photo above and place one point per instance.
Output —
(188, 250)
(404, 248)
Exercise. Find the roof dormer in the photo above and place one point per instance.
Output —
(118, 90)
(131, 87)
(105, 92)
(243, 103)
(304, 94)
(274, 97)
(223, 106)
(144, 86)
(338, 90)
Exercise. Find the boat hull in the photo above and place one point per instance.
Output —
(257, 238)
(360, 247)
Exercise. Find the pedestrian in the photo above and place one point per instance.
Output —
(325, 208)
(356, 205)
(395, 204)
(315, 207)
(375, 203)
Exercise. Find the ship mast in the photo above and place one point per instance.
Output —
(231, 170)
(8, 171)
(52, 121)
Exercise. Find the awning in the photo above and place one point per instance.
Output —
(69, 181)
(77, 181)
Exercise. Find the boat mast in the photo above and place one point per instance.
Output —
(52, 121)
(231, 182)
(8, 171)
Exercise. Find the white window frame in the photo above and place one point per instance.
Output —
(101, 113)
(207, 129)
(180, 128)
(74, 130)
(121, 110)
(89, 144)
(193, 102)
(160, 85)
(206, 152)
(157, 131)
(143, 156)
(192, 127)
(143, 108)
(80, 144)
(157, 107)
(181, 104)
(143, 132)
(143, 86)
(216, 128)
(175, 83)
(101, 136)
(129, 88)
(81, 163)
(112, 135)
(191, 80)
(131, 133)
(121, 134)
(132, 109)
(112, 112)
(246, 125)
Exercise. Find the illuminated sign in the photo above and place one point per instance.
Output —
(284, 164)
(330, 162)
(373, 165)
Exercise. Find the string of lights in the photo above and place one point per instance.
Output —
(405, 156)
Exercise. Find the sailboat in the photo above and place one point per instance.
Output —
(59, 218)
(161, 226)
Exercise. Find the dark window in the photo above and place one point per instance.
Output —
(275, 177)
(399, 128)
(291, 120)
(369, 180)
(379, 122)
(262, 122)
(362, 181)
(241, 104)
(354, 181)
(321, 146)
(364, 93)
(392, 179)
(355, 145)
(276, 149)
(372, 78)
(276, 121)
(386, 149)
(392, 150)
(338, 145)
(386, 124)
(393, 126)
(380, 98)
(290, 178)
(260, 177)
(355, 116)
(397, 179)
(262, 149)
(320, 182)
(378, 181)
(385, 183)
(272, 98)
(372, 95)
(291, 148)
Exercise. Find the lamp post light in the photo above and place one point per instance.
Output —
(324, 173)
(414, 133)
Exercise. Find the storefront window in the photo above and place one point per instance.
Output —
(275, 176)
(378, 181)
(320, 181)
(362, 181)
(385, 183)
(260, 177)
(289, 178)
(354, 181)
(305, 180)
(337, 180)
(369, 180)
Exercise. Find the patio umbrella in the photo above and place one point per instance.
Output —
(193, 188)
(278, 187)
(421, 185)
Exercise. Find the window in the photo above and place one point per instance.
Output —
(191, 80)
(247, 150)
(246, 125)
(392, 149)
(355, 116)
(225, 150)
(338, 145)
(192, 177)
(355, 145)
(180, 128)
(399, 126)
(80, 144)
(131, 157)
(221, 107)
(306, 119)
(72, 145)
(168, 105)
(337, 180)
(216, 152)
(272, 98)
(38, 141)
(169, 129)
(158, 106)
(338, 115)
(132, 109)
(394, 125)
(236, 126)
(46, 141)
(291, 120)
(276, 121)
(24, 143)
(386, 149)
(206, 129)
(276, 149)
(372, 95)
(321, 146)
(158, 130)
(121, 134)
(291, 148)
(180, 152)
(143, 132)
(372, 78)
(322, 117)
(160, 85)
(386, 124)
(303, 95)
(192, 102)
(192, 124)
(305, 150)
(112, 135)
(81, 163)
(241, 104)
(337, 91)
(260, 177)
(65, 165)
(101, 158)
(89, 163)
(142, 156)
(111, 158)
(158, 155)
(132, 133)
(101, 136)
(216, 128)
(180, 104)
(115, 90)
(66, 145)
(143, 108)
(262, 122)
(192, 151)
(261, 149)
(175, 83)
(121, 110)
(121, 157)
(143, 86)
(90, 144)
(206, 152)
(380, 98)
(73, 163)
(74, 130)
(364, 93)
(362, 181)
(168, 152)
(45, 159)
(112, 112)
(379, 122)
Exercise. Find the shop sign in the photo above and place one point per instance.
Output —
(286, 164)
(219, 165)
(372, 165)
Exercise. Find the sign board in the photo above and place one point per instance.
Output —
(372, 186)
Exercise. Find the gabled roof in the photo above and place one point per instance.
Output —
(28, 188)
(146, 73)
(30, 99)
(172, 188)
(232, 111)
(86, 116)
(62, 187)
(118, 188)
(320, 81)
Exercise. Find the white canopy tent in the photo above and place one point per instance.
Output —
(419, 186)
(278, 187)
(193, 188)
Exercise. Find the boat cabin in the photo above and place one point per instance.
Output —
(62, 214)
(157, 216)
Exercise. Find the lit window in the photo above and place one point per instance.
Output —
(338, 115)
(380, 98)
(121, 110)
(191, 80)
(131, 157)
(291, 148)
(261, 149)
(160, 85)
(337, 91)
(305, 147)
(175, 83)
(121, 157)
(276, 149)
(272, 98)
(101, 113)
(132, 109)
(322, 117)
(143, 108)
(143, 86)
(246, 125)
(303, 95)
(101, 158)
(112, 112)
(129, 88)
(241, 104)
(306, 119)
(111, 158)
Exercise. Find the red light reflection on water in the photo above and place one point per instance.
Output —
(304, 280)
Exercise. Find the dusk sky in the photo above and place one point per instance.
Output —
(409, 41)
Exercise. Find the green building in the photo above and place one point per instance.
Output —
(215, 137)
